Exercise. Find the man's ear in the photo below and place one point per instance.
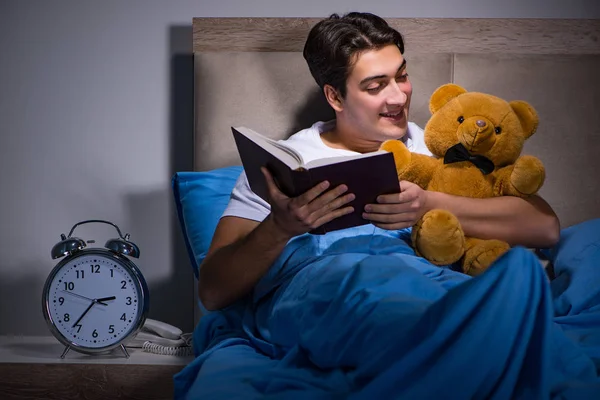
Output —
(333, 98)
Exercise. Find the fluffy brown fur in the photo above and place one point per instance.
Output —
(485, 125)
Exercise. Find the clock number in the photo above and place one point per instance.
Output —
(128, 301)
(95, 334)
(123, 285)
(61, 300)
(78, 326)
(69, 286)
(66, 317)
(81, 274)
(111, 329)
(96, 269)
(112, 273)
(123, 317)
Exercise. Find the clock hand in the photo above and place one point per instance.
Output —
(78, 295)
(85, 312)
(99, 301)
(105, 299)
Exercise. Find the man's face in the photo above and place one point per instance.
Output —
(378, 96)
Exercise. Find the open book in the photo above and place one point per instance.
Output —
(366, 175)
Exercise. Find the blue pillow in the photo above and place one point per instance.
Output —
(201, 199)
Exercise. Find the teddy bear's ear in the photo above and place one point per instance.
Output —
(527, 115)
(444, 94)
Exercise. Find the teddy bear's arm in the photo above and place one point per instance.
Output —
(420, 170)
(502, 181)
(413, 167)
(524, 178)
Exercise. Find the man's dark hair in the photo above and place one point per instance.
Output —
(333, 45)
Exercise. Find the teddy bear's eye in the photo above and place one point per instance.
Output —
(461, 119)
(498, 130)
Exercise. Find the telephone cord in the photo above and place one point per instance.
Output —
(185, 350)
(150, 347)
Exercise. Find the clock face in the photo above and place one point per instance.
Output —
(94, 301)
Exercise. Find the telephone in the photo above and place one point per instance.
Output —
(161, 338)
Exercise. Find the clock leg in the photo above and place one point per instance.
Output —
(67, 348)
(125, 351)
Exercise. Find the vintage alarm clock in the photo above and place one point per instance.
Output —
(95, 299)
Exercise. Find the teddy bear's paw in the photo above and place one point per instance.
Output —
(401, 153)
(481, 254)
(439, 238)
(528, 175)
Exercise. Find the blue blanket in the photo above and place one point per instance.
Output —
(354, 314)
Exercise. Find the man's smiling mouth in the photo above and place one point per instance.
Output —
(392, 115)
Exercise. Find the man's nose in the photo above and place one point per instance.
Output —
(397, 95)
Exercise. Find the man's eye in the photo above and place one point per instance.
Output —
(374, 89)
(402, 77)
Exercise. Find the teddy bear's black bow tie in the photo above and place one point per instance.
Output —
(458, 153)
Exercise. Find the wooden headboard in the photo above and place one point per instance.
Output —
(250, 71)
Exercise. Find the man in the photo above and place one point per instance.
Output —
(358, 62)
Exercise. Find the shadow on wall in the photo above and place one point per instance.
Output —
(314, 109)
(172, 298)
(170, 282)
(181, 104)
(181, 141)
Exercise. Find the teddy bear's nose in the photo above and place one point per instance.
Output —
(480, 123)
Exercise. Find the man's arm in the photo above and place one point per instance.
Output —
(526, 222)
(242, 250)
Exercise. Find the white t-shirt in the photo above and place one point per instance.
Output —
(245, 203)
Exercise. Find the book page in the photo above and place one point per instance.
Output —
(335, 160)
(297, 157)
(288, 155)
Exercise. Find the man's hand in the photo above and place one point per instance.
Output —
(295, 216)
(398, 210)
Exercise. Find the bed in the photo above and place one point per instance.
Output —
(541, 337)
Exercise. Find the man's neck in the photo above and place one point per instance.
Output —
(343, 137)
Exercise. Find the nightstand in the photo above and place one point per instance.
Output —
(31, 368)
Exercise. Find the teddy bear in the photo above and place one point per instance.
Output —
(476, 140)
